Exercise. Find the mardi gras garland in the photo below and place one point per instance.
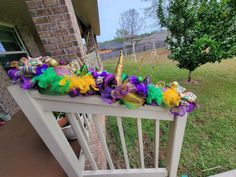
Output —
(51, 77)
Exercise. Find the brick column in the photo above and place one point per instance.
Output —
(57, 27)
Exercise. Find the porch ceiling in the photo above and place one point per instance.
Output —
(87, 12)
(17, 8)
(15, 12)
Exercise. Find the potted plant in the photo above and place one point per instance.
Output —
(65, 125)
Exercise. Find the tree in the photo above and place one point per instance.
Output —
(130, 24)
(150, 10)
(201, 31)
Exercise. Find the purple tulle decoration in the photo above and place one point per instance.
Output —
(181, 110)
(120, 91)
(178, 111)
(106, 95)
(74, 93)
(14, 74)
(133, 79)
(97, 74)
(140, 86)
(90, 92)
(40, 69)
(191, 106)
(26, 83)
(141, 89)
(110, 81)
(106, 87)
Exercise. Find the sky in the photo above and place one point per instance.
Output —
(109, 14)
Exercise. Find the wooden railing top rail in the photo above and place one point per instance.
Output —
(95, 105)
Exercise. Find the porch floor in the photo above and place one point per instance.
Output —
(24, 154)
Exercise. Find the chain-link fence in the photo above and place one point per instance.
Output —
(128, 49)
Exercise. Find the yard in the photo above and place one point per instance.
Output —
(210, 133)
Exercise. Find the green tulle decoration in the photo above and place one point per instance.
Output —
(130, 105)
(124, 76)
(154, 94)
(49, 81)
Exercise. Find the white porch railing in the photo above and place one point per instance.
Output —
(38, 109)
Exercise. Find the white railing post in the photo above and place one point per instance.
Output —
(175, 140)
(157, 141)
(140, 140)
(122, 139)
(49, 130)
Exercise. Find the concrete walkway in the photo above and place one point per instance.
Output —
(231, 173)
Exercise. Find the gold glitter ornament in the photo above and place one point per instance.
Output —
(119, 68)
(52, 62)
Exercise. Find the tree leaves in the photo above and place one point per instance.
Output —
(201, 31)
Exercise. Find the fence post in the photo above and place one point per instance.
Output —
(175, 140)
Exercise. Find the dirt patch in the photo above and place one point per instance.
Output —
(192, 82)
(163, 52)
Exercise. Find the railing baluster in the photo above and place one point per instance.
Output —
(81, 123)
(82, 140)
(89, 117)
(85, 116)
(103, 142)
(81, 161)
(140, 139)
(122, 138)
(157, 141)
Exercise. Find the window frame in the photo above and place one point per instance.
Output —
(19, 38)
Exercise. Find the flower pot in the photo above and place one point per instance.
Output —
(69, 132)
(67, 129)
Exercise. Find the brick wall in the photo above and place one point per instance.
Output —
(7, 103)
(96, 147)
(57, 27)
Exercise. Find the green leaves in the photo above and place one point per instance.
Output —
(201, 31)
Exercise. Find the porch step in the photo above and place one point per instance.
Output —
(231, 173)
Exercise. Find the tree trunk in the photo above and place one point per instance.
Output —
(189, 76)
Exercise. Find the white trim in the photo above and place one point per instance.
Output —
(19, 38)
(13, 52)
(6, 24)
(95, 105)
(150, 172)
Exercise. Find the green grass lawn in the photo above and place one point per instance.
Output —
(210, 138)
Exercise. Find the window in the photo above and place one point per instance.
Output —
(11, 46)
